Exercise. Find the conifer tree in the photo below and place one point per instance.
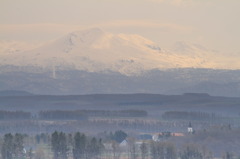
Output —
(59, 145)
(79, 146)
(7, 147)
(18, 145)
(63, 147)
(144, 150)
(55, 144)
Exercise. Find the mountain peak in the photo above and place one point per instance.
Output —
(92, 32)
(89, 31)
(84, 37)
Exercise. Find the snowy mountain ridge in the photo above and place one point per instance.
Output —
(94, 50)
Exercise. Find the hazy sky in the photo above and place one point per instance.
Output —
(212, 23)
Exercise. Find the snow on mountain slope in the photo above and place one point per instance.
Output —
(9, 47)
(220, 60)
(95, 50)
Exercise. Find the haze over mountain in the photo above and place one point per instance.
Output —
(95, 61)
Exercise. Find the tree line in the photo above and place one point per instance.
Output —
(17, 115)
(183, 115)
(69, 115)
(52, 114)
(62, 115)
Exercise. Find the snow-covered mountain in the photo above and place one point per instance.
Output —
(94, 61)
(94, 50)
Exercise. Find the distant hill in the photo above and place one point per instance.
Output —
(153, 103)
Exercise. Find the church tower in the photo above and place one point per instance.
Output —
(190, 129)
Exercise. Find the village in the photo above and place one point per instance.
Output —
(117, 145)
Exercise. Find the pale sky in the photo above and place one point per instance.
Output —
(214, 24)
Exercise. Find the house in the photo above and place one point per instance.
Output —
(155, 137)
(178, 134)
(124, 143)
(161, 136)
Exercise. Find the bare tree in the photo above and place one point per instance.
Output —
(116, 150)
(144, 150)
(132, 148)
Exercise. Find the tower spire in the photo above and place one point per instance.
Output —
(190, 129)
